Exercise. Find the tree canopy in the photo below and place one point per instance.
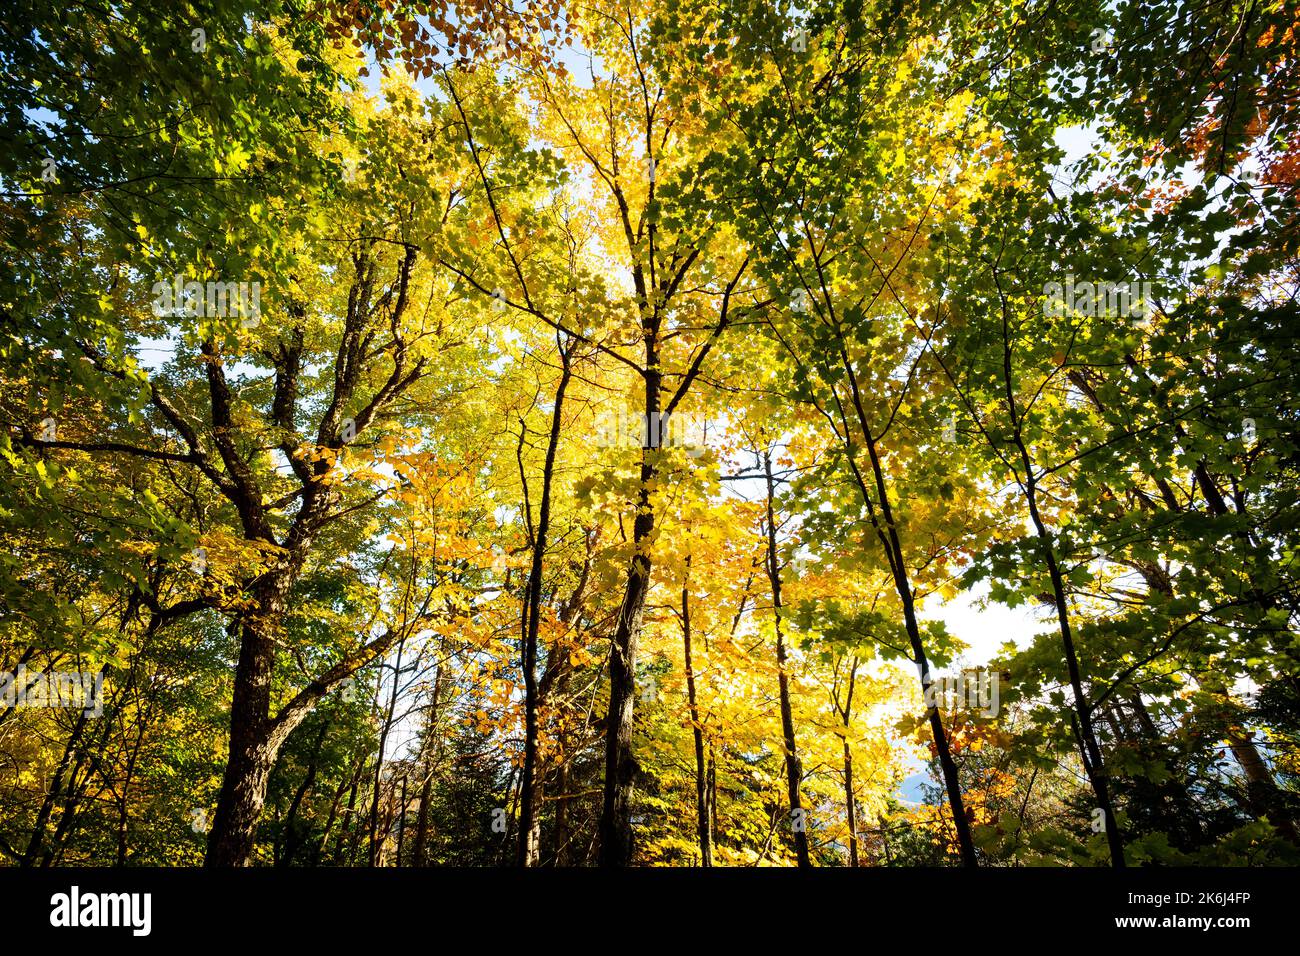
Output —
(617, 433)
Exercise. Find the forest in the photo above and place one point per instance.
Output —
(635, 433)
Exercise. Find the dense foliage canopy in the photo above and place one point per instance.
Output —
(619, 433)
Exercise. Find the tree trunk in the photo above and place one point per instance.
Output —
(401, 823)
(1088, 747)
(243, 787)
(1263, 796)
(123, 807)
(845, 711)
(352, 819)
(71, 796)
(562, 837)
(429, 764)
(849, 805)
(243, 794)
(346, 821)
(887, 531)
(529, 820)
(703, 829)
(52, 795)
(713, 796)
(291, 840)
(418, 851)
(620, 767)
(376, 843)
(319, 850)
(793, 770)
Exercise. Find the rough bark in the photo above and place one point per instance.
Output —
(243, 786)
(255, 734)
(620, 767)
